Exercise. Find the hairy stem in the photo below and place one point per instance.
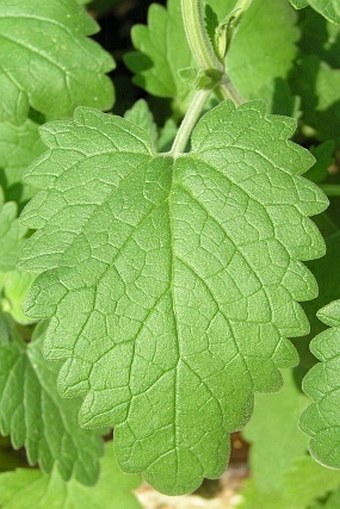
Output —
(228, 91)
(242, 6)
(197, 37)
(189, 122)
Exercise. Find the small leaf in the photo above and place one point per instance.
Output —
(14, 288)
(19, 146)
(141, 115)
(45, 42)
(321, 420)
(30, 488)
(36, 417)
(11, 235)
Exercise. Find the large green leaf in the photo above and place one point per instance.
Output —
(163, 50)
(27, 489)
(36, 417)
(46, 61)
(321, 420)
(172, 283)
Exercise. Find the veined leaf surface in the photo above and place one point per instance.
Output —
(28, 488)
(47, 62)
(172, 283)
(321, 420)
(36, 417)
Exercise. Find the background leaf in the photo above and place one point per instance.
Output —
(36, 417)
(162, 51)
(321, 420)
(11, 235)
(330, 9)
(27, 488)
(45, 43)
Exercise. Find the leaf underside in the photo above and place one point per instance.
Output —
(47, 62)
(36, 417)
(172, 284)
(322, 384)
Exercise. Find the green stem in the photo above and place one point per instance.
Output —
(242, 6)
(197, 37)
(331, 189)
(228, 91)
(189, 122)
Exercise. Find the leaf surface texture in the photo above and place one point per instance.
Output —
(36, 417)
(169, 279)
(45, 43)
(321, 420)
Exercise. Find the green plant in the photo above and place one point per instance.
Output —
(157, 268)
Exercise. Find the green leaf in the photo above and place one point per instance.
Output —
(258, 72)
(163, 50)
(307, 481)
(27, 488)
(318, 85)
(316, 76)
(299, 4)
(334, 500)
(327, 273)
(36, 417)
(320, 38)
(274, 434)
(47, 61)
(19, 146)
(321, 420)
(253, 498)
(11, 235)
(159, 273)
(330, 9)
(141, 115)
(14, 287)
(324, 155)
(304, 483)
(167, 135)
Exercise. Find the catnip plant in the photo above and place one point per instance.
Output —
(170, 273)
